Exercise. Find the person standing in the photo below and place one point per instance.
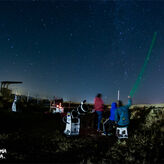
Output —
(122, 116)
(109, 123)
(99, 108)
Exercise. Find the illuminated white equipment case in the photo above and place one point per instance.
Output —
(73, 120)
(122, 132)
(72, 125)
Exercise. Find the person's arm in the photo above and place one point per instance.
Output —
(129, 102)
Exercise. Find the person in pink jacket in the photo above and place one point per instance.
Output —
(99, 108)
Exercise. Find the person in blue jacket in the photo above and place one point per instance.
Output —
(109, 123)
(122, 116)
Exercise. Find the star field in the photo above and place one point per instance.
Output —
(75, 49)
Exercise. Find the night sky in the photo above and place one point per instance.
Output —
(77, 48)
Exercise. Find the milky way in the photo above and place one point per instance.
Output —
(75, 49)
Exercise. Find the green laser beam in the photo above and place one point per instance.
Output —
(144, 66)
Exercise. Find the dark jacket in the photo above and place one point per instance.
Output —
(122, 114)
(112, 111)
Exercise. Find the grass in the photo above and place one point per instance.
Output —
(38, 137)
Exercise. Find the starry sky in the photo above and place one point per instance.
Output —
(77, 48)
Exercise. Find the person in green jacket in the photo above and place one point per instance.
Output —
(122, 116)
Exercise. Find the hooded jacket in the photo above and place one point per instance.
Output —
(98, 104)
(112, 111)
(122, 114)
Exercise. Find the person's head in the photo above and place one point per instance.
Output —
(99, 95)
(114, 105)
(119, 103)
